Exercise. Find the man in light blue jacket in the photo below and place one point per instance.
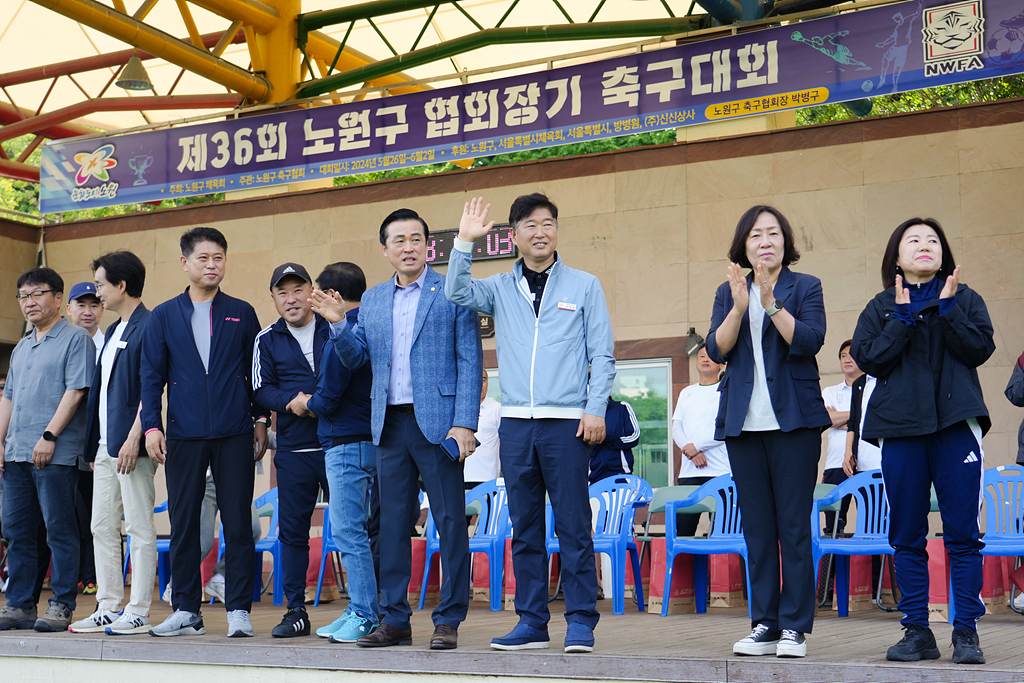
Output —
(552, 327)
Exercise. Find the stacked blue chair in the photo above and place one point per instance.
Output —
(327, 546)
(871, 533)
(268, 544)
(726, 536)
(489, 501)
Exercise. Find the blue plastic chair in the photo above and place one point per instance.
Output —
(870, 535)
(725, 537)
(268, 544)
(491, 530)
(327, 545)
(618, 499)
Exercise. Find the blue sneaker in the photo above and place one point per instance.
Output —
(352, 629)
(579, 638)
(326, 631)
(523, 637)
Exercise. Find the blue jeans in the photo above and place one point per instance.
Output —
(31, 495)
(350, 469)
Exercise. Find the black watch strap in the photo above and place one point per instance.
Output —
(49, 436)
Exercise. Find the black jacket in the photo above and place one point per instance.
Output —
(927, 377)
(200, 404)
(124, 387)
(1015, 393)
(279, 372)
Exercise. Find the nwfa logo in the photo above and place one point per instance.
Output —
(953, 38)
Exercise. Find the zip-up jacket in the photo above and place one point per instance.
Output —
(926, 372)
(1015, 394)
(124, 387)
(279, 372)
(614, 455)
(543, 357)
(342, 398)
(200, 404)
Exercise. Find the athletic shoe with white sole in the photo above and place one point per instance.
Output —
(96, 622)
(215, 588)
(523, 637)
(352, 628)
(792, 644)
(128, 624)
(16, 618)
(761, 641)
(239, 625)
(180, 623)
(294, 624)
(326, 631)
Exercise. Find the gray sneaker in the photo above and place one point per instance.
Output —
(96, 622)
(239, 625)
(56, 619)
(16, 618)
(180, 623)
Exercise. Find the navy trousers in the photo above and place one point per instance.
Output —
(539, 456)
(775, 474)
(231, 461)
(951, 459)
(403, 456)
(300, 476)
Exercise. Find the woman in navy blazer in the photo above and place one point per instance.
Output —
(768, 326)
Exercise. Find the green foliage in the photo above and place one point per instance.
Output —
(974, 92)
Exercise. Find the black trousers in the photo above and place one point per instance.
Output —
(686, 525)
(83, 513)
(775, 474)
(231, 461)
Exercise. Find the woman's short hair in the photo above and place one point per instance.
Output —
(890, 260)
(738, 250)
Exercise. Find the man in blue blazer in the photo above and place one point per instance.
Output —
(427, 363)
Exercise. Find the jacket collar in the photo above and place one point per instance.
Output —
(433, 284)
(517, 267)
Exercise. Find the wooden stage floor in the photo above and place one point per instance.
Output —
(634, 646)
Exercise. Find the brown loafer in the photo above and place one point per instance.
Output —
(384, 636)
(445, 638)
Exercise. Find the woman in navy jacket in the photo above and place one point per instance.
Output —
(768, 326)
(923, 338)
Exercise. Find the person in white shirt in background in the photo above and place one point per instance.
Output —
(693, 430)
(837, 403)
(483, 464)
(861, 456)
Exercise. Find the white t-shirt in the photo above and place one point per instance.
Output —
(97, 339)
(838, 398)
(304, 335)
(760, 412)
(694, 422)
(107, 362)
(868, 457)
(483, 464)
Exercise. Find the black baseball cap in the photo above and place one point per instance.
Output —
(286, 269)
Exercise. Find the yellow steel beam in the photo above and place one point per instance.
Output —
(280, 51)
(107, 20)
(260, 16)
(119, 6)
(254, 48)
(144, 10)
(226, 39)
(190, 24)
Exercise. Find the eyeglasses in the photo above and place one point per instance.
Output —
(35, 296)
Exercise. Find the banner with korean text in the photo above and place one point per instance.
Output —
(884, 50)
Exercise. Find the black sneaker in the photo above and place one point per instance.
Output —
(761, 641)
(918, 643)
(294, 624)
(792, 644)
(966, 648)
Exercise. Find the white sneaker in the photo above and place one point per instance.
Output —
(761, 641)
(1018, 602)
(166, 597)
(215, 587)
(180, 623)
(128, 624)
(792, 644)
(239, 625)
(97, 622)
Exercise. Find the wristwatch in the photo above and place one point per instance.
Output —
(49, 436)
(773, 309)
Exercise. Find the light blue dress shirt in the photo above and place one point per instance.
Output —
(403, 322)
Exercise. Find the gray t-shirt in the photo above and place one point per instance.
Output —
(202, 329)
(41, 371)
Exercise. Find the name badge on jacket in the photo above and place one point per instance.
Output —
(566, 306)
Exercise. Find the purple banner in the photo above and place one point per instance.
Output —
(889, 49)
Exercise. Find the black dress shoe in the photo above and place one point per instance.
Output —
(445, 638)
(384, 636)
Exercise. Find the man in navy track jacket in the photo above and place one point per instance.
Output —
(285, 362)
(199, 345)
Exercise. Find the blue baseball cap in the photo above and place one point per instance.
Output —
(82, 289)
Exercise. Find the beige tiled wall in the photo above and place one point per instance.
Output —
(657, 238)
